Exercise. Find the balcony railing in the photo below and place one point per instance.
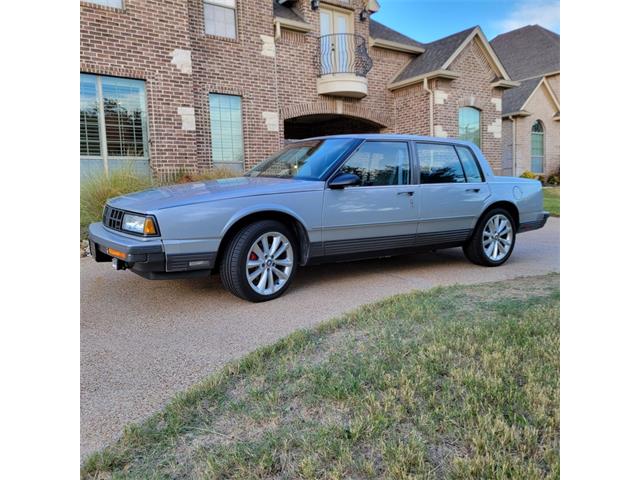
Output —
(343, 53)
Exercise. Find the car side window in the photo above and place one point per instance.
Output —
(470, 165)
(439, 163)
(380, 163)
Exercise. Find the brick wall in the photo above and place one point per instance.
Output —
(554, 82)
(471, 89)
(137, 42)
(236, 67)
(542, 109)
(141, 40)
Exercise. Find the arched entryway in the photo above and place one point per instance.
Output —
(327, 124)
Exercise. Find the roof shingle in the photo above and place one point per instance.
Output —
(514, 98)
(527, 52)
(435, 55)
(382, 32)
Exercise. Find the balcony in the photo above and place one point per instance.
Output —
(343, 65)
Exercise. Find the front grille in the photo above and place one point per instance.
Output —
(112, 218)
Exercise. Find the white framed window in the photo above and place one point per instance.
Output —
(107, 3)
(220, 18)
(113, 124)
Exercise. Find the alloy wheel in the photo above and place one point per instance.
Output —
(497, 237)
(269, 263)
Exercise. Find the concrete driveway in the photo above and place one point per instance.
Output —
(142, 341)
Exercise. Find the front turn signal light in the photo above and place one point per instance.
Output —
(149, 227)
(116, 253)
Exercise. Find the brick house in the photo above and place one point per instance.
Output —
(194, 84)
(531, 112)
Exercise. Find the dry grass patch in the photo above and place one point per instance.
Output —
(457, 382)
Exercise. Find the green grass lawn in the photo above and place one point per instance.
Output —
(552, 200)
(457, 382)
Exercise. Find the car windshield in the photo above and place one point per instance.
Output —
(306, 160)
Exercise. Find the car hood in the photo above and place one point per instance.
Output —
(199, 192)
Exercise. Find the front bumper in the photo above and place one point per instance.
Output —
(535, 224)
(147, 257)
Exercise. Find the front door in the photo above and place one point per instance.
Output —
(336, 42)
(451, 194)
(380, 213)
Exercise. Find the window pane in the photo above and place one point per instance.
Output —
(219, 21)
(439, 164)
(537, 147)
(380, 163)
(309, 160)
(124, 116)
(537, 144)
(226, 128)
(469, 164)
(89, 128)
(107, 3)
(469, 124)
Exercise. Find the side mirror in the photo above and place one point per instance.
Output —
(344, 180)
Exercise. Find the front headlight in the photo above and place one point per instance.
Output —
(139, 224)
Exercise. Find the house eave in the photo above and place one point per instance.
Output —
(292, 24)
(518, 113)
(505, 84)
(395, 46)
(448, 74)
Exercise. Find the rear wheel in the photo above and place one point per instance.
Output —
(260, 262)
(493, 240)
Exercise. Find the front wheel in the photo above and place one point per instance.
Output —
(493, 240)
(260, 262)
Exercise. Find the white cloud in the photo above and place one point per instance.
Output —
(545, 13)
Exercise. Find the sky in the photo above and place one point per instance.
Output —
(428, 20)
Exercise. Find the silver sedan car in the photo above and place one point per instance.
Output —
(323, 199)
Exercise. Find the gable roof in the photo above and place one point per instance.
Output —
(382, 32)
(515, 101)
(435, 55)
(528, 52)
(439, 55)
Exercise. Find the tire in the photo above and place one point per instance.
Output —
(475, 251)
(245, 257)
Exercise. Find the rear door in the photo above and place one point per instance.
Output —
(380, 213)
(451, 194)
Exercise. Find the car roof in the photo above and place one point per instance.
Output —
(390, 136)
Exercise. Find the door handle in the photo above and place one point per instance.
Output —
(410, 193)
(475, 190)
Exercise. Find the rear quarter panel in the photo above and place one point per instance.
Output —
(525, 193)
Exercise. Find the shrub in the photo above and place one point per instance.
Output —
(553, 180)
(528, 174)
(97, 189)
(554, 177)
(214, 174)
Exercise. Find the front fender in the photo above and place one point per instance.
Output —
(262, 207)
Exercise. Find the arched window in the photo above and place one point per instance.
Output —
(537, 147)
(469, 125)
